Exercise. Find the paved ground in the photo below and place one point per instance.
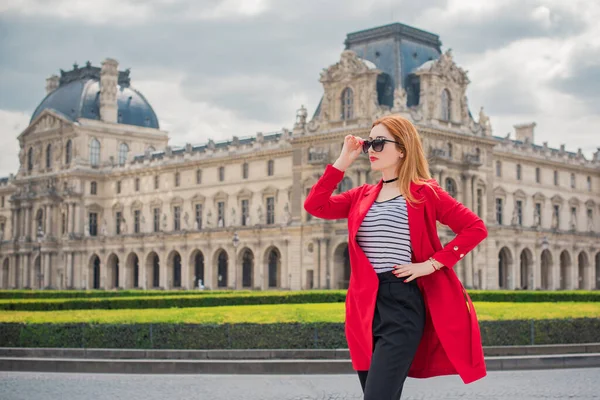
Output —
(512, 385)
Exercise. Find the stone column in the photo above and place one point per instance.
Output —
(23, 269)
(47, 211)
(46, 267)
(163, 278)
(69, 271)
(28, 222)
(185, 272)
(322, 262)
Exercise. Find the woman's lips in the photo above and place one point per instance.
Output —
(373, 158)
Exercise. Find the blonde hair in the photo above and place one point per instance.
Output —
(414, 167)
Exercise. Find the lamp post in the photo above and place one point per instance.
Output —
(235, 241)
(39, 236)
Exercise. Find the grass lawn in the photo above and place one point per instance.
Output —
(281, 313)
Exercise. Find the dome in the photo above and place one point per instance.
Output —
(78, 96)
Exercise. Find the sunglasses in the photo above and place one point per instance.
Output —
(377, 144)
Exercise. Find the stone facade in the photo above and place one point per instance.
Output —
(99, 204)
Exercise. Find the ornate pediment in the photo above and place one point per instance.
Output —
(557, 199)
(349, 66)
(198, 198)
(539, 197)
(46, 121)
(499, 191)
(445, 66)
(520, 194)
(245, 192)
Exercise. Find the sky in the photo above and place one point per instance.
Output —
(217, 69)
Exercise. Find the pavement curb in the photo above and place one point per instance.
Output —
(261, 354)
(283, 367)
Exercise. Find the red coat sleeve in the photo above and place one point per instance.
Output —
(321, 204)
(468, 227)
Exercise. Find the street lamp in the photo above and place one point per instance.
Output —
(39, 237)
(235, 241)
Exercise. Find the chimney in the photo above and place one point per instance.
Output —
(524, 132)
(52, 84)
(109, 75)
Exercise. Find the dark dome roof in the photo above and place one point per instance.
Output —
(78, 96)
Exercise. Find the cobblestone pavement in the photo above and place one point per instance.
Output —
(511, 385)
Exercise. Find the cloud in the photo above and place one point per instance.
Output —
(11, 125)
(214, 69)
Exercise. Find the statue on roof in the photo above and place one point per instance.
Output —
(400, 99)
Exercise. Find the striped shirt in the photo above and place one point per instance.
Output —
(384, 234)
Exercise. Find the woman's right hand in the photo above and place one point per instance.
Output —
(350, 151)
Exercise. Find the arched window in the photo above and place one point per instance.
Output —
(30, 159)
(95, 152)
(49, 156)
(123, 151)
(446, 105)
(347, 104)
(451, 187)
(68, 152)
(345, 185)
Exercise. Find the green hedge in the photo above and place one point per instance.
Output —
(269, 336)
(97, 293)
(259, 298)
(214, 299)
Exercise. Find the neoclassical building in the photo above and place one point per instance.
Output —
(102, 200)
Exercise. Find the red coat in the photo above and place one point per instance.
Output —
(451, 342)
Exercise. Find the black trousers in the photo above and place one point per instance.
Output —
(398, 325)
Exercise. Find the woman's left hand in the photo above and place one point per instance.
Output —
(413, 271)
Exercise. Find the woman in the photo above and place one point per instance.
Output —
(407, 314)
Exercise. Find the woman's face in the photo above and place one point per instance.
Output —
(389, 157)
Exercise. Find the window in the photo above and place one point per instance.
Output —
(221, 212)
(499, 211)
(123, 151)
(449, 148)
(519, 177)
(347, 104)
(555, 178)
(199, 215)
(498, 169)
(93, 221)
(270, 210)
(49, 156)
(574, 213)
(136, 221)
(68, 152)
(156, 219)
(198, 176)
(537, 218)
(245, 212)
(451, 187)
(519, 206)
(589, 183)
(94, 153)
(245, 171)
(93, 188)
(177, 179)
(176, 218)
(573, 181)
(345, 185)
(538, 177)
(118, 187)
(30, 159)
(156, 182)
(64, 223)
(446, 105)
(479, 202)
(137, 184)
(556, 210)
(221, 174)
(118, 217)
(270, 167)
(590, 214)
(2, 201)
